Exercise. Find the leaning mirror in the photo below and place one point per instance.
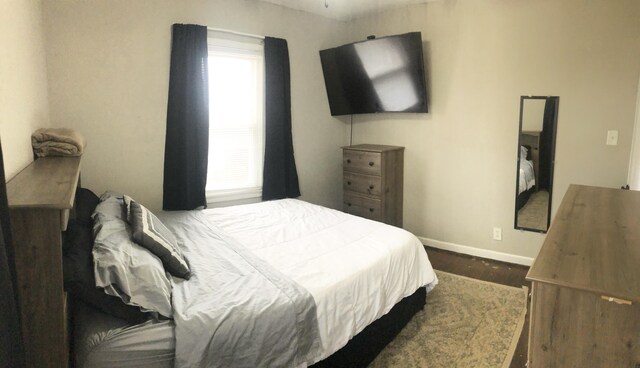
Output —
(535, 157)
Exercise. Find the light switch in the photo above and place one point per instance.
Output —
(612, 138)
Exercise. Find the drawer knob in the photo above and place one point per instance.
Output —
(371, 186)
(370, 209)
(348, 204)
(370, 163)
(348, 161)
(348, 183)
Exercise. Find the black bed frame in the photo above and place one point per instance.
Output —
(365, 346)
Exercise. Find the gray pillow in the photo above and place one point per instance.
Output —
(122, 267)
(151, 233)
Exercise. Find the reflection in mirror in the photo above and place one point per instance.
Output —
(535, 157)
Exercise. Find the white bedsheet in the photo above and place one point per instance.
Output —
(355, 269)
(527, 176)
(103, 341)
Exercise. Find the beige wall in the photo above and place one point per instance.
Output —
(481, 57)
(23, 81)
(108, 71)
(108, 74)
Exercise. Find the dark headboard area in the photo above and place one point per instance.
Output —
(528, 147)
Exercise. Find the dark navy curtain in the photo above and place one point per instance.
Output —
(187, 140)
(280, 177)
(11, 348)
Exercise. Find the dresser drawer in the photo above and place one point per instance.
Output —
(363, 207)
(365, 184)
(362, 162)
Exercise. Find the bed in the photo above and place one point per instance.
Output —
(526, 177)
(347, 284)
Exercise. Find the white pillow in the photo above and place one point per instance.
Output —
(122, 267)
(523, 152)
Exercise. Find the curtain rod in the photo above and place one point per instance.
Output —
(234, 32)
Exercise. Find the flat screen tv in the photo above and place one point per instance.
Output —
(383, 74)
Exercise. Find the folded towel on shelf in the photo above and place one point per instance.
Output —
(57, 142)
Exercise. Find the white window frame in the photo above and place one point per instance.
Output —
(225, 43)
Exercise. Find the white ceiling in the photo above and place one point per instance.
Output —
(344, 9)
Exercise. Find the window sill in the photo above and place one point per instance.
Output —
(222, 198)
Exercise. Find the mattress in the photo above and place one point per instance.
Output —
(355, 269)
(101, 340)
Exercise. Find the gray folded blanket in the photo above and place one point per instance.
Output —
(57, 142)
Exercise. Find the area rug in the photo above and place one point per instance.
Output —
(466, 323)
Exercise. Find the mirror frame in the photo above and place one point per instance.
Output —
(551, 164)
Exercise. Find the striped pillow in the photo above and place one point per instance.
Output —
(127, 207)
(150, 232)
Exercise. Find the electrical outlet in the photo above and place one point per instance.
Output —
(612, 138)
(497, 233)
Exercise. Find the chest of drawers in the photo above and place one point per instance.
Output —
(585, 296)
(373, 181)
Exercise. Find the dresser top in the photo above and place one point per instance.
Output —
(373, 147)
(593, 243)
(48, 182)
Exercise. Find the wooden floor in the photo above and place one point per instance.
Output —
(487, 270)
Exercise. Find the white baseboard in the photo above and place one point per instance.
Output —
(484, 253)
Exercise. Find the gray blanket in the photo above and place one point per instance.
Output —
(236, 311)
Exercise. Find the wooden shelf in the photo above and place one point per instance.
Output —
(48, 182)
(40, 198)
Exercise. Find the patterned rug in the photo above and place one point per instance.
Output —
(466, 323)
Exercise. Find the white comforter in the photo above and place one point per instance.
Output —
(527, 176)
(355, 269)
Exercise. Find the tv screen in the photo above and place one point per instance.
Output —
(384, 74)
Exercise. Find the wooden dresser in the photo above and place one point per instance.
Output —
(373, 181)
(585, 298)
(40, 200)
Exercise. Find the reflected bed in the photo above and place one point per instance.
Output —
(526, 177)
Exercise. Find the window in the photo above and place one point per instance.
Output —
(236, 117)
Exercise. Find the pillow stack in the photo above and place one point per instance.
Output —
(79, 279)
(130, 252)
